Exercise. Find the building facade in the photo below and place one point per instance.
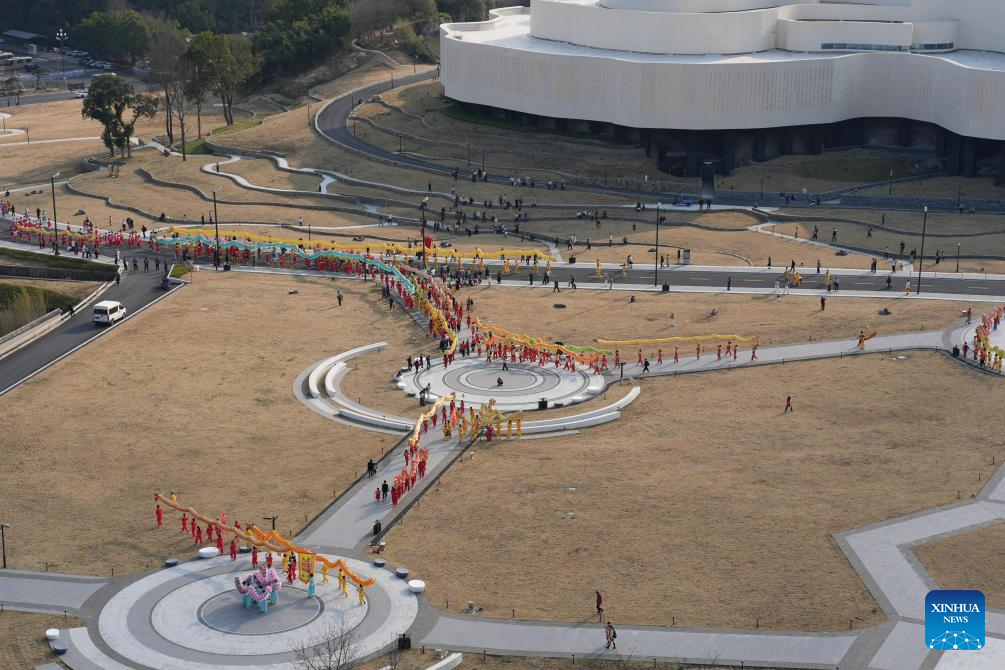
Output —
(727, 81)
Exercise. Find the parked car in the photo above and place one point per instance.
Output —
(80, 94)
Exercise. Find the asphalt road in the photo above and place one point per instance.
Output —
(766, 280)
(36, 98)
(135, 290)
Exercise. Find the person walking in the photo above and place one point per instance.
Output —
(823, 303)
(600, 602)
(611, 635)
(384, 488)
(339, 297)
(729, 283)
(788, 405)
(371, 468)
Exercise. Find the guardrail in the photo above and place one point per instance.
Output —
(28, 332)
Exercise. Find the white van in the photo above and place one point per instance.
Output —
(108, 311)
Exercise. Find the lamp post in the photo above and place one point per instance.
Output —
(921, 261)
(762, 188)
(656, 263)
(891, 181)
(3, 543)
(957, 256)
(61, 36)
(55, 224)
(959, 197)
(272, 519)
(415, 60)
(216, 225)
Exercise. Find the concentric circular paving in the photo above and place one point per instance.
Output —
(518, 387)
(191, 616)
(223, 612)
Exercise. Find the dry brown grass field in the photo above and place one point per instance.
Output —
(262, 172)
(971, 560)
(130, 188)
(742, 247)
(963, 188)
(74, 289)
(703, 502)
(289, 135)
(510, 149)
(200, 404)
(23, 633)
(825, 172)
(858, 235)
(775, 320)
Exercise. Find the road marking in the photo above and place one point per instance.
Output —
(981, 288)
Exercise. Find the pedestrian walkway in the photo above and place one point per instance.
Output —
(639, 643)
(47, 591)
(347, 525)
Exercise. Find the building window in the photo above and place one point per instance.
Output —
(944, 46)
(841, 46)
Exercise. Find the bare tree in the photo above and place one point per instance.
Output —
(334, 648)
(167, 50)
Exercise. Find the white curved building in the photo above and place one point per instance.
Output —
(723, 81)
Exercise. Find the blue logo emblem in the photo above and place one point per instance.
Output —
(954, 620)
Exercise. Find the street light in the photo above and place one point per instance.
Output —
(3, 543)
(891, 181)
(55, 224)
(921, 261)
(957, 256)
(61, 36)
(216, 224)
(415, 59)
(272, 519)
(656, 275)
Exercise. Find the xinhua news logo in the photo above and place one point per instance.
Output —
(954, 620)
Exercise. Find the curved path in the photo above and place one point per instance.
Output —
(177, 617)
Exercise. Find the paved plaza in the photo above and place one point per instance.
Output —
(189, 616)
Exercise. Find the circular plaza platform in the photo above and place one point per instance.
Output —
(191, 616)
(519, 387)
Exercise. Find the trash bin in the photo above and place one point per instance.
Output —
(956, 352)
(542, 403)
(376, 527)
(666, 287)
(404, 641)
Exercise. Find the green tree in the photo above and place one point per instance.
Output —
(114, 103)
(463, 10)
(299, 34)
(115, 34)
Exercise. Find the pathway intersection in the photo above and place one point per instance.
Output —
(188, 615)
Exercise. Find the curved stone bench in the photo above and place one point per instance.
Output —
(314, 379)
(570, 423)
(337, 371)
(374, 420)
(321, 369)
(591, 418)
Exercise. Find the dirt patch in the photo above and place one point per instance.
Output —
(203, 406)
(703, 502)
(973, 560)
